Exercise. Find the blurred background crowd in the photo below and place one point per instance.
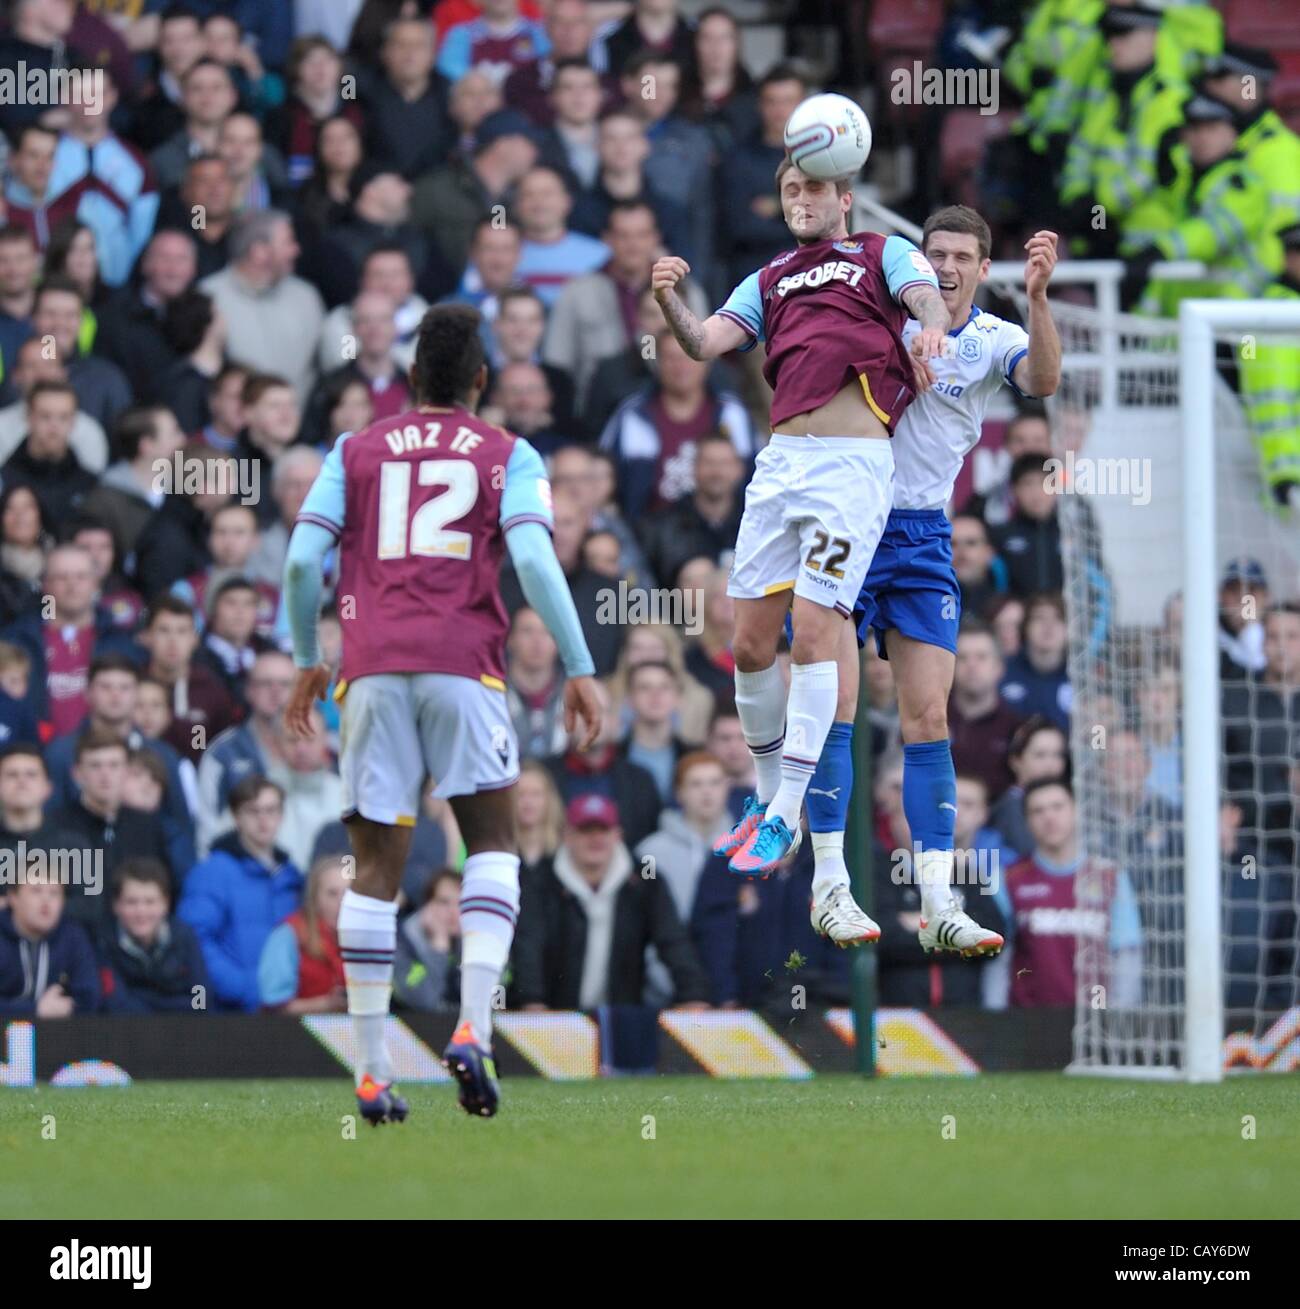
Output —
(225, 269)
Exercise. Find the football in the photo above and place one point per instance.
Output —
(828, 136)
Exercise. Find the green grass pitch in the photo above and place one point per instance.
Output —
(1025, 1146)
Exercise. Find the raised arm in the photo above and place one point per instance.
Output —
(1039, 372)
(715, 336)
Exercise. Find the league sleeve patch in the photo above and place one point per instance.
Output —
(544, 493)
(921, 263)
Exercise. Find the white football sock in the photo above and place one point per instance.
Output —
(829, 868)
(809, 713)
(367, 933)
(489, 909)
(933, 870)
(760, 702)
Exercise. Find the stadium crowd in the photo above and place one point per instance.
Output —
(225, 269)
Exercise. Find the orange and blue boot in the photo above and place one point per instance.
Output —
(475, 1073)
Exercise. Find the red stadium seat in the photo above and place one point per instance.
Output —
(905, 26)
(962, 141)
(1284, 94)
(1271, 23)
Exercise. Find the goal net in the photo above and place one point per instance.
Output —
(1207, 855)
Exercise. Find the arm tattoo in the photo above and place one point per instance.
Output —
(926, 305)
(685, 326)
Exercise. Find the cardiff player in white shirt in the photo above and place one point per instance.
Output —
(911, 598)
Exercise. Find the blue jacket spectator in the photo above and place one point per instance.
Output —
(235, 898)
(47, 964)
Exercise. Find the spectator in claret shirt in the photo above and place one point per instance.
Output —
(1039, 748)
(653, 434)
(498, 42)
(62, 646)
(528, 88)
(981, 722)
(1029, 543)
(1068, 911)
(1036, 680)
(107, 179)
(373, 364)
(235, 898)
(47, 964)
(201, 707)
(552, 255)
(150, 962)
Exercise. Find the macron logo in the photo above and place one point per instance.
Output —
(102, 1263)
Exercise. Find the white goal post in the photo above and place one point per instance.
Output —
(1198, 323)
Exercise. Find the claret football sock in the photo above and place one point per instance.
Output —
(489, 909)
(367, 939)
(760, 702)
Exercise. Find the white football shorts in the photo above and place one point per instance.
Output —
(396, 729)
(815, 510)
